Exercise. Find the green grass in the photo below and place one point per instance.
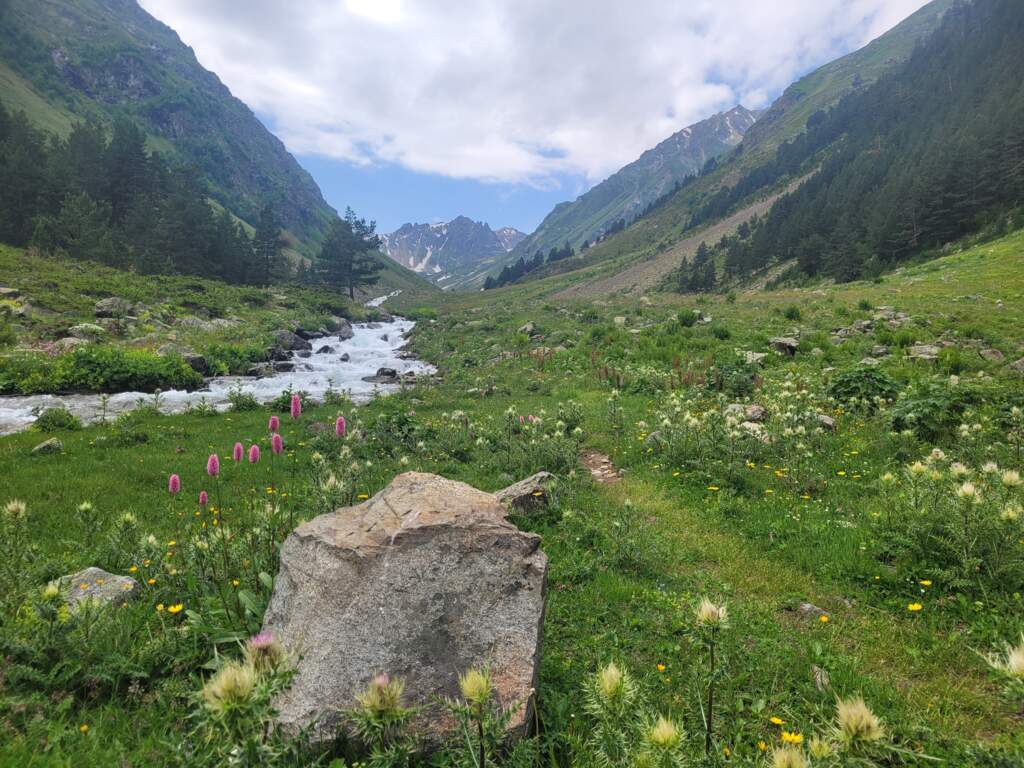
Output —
(623, 579)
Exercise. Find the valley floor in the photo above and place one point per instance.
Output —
(808, 535)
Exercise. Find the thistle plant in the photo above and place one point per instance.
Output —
(380, 723)
(234, 713)
(612, 699)
(662, 749)
(1009, 665)
(481, 718)
(711, 619)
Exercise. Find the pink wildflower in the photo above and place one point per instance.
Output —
(173, 484)
(213, 465)
(339, 426)
(238, 452)
(261, 640)
(296, 406)
(522, 419)
(254, 454)
(277, 444)
(275, 424)
(203, 498)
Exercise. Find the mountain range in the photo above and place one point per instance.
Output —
(449, 253)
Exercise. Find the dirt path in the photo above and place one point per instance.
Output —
(601, 467)
(646, 275)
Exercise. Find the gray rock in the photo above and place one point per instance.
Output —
(88, 331)
(284, 366)
(784, 344)
(260, 370)
(342, 328)
(326, 349)
(529, 495)
(193, 323)
(423, 581)
(810, 611)
(310, 335)
(619, 320)
(754, 358)
(924, 352)
(97, 585)
(529, 329)
(291, 341)
(879, 350)
(870, 362)
(993, 355)
(756, 413)
(68, 343)
(47, 447)
(197, 363)
(114, 306)
(383, 376)
(1018, 365)
(9, 293)
(826, 422)
(344, 357)
(384, 337)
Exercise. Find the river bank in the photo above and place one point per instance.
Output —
(334, 364)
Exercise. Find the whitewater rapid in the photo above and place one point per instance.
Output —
(373, 346)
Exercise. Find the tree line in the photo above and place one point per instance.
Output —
(510, 273)
(101, 195)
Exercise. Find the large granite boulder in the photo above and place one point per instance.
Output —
(423, 581)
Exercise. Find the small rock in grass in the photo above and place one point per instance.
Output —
(810, 611)
(47, 447)
(992, 355)
(826, 422)
(528, 495)
(924, 352)
(97, 585)
(786, 345)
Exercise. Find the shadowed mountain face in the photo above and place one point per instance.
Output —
(446, 253)
(67, 60)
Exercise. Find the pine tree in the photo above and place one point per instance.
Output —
(269, 264)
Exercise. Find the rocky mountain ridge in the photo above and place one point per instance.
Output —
(444, 252)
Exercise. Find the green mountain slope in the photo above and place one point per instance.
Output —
(62, 60)
(626, 193)
(65, 61)
(653, 235)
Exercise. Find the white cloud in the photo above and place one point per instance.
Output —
(510, 90)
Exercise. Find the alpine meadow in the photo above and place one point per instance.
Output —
(328, 437)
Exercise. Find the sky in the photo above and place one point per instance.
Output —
(422, 110)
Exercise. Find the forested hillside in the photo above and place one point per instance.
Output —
(658, 233)
(930, 153)
(62, 61)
